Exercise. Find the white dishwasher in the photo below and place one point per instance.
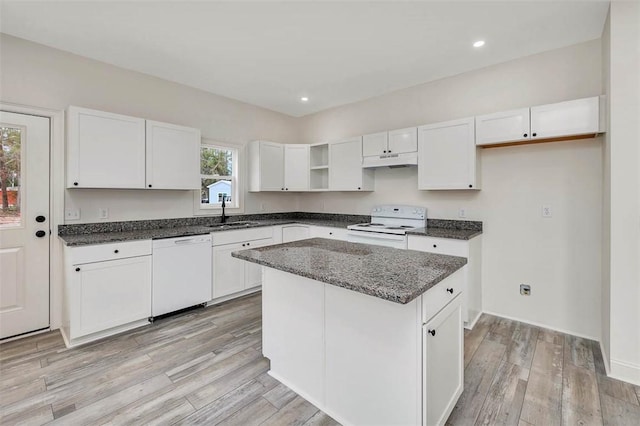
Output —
(181, 273)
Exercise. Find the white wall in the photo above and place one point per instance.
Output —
(36, 75)
(624, 170)
(559, 257)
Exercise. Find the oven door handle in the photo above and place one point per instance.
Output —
(376, 235)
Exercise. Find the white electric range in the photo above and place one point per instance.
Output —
(389, 225)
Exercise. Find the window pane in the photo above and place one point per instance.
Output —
(214, 161)
(10, 177)
(213, 190)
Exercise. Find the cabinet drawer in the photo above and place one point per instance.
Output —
(439, 245)
(437, 297)
(241, 235)
(329, 233)
(111, 251)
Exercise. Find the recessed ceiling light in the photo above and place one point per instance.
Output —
(478, 43)
(304, 99)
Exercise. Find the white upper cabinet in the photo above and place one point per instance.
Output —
(277, 167)
(296, 167)
(577, 117)
(104, 150)
(447, 155)
(266, 166)
(374, 144)
(403, 140)
(501, 127)
(545, 123)
(393, 142)
(173, 156)
(346, 172)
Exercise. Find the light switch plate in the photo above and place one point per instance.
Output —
(462, 212)
(546, 210)
(103, 213)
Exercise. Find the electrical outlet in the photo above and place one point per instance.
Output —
(546, 210)
(72, 214)
(525, 289)
(462, 212)
(103, 213)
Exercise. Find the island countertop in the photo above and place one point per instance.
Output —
(391, 274)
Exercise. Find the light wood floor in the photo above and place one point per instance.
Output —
(205, 367)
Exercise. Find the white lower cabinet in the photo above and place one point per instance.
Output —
(105, 292)
(329, 233)
(472, 284)
(442, 368)
(361, 359)
(295, 232)
(231, 275)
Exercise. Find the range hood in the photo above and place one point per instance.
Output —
(390, 160)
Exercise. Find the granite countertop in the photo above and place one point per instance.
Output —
(182, 231)
(390, 274)
(455, 234)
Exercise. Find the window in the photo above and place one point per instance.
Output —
(218, 176)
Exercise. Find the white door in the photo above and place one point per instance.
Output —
(24, 224)
(296, 167)
(403, 140)
(345, 172)
(271, 166)
(447, 155)
(173, 156)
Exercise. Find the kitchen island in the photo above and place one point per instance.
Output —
(369, 334)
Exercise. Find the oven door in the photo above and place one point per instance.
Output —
(378, 238)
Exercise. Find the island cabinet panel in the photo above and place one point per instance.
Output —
(373, 356)
(443, 366)
(293, 332)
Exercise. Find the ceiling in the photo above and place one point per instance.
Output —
(272, 53)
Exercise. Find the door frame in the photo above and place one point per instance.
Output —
(56, 204)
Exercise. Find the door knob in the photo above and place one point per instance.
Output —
(40, 219)
(40, 233)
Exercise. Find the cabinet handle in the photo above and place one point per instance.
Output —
(281, 189)
(534, 134)
(384, 152)
(525, 135)
(388, 151)
(286, 189)
(248, 244)
(150, 186)
(431, 332)
(434, 246)
(330, 233)
(75, 183)
(77, 269)
(470, 186)
(243, 244)
(116, 251)
(358, 188)
(450, 290)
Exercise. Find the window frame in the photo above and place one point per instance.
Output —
(236, 194)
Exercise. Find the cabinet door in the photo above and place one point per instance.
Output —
(447, 155)
(294, 233)
(271, 166)
(104, 150)
(253, 272)
(345, 170)
(296, 167)
(403, 140)
(502, 127)
(578, 117)
(374, 144)
(442, 364)
(104, 295)
(228, 272)
(173, 156)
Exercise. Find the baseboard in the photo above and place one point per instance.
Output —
(537, 324)
(605, 359)
(471, 324)
(234, 296)
(22, 336)
(625, 371)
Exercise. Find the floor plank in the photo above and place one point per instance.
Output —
(206, 366)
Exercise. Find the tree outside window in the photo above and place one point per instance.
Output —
(218, 176)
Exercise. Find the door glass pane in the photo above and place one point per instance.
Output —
(10, 165)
